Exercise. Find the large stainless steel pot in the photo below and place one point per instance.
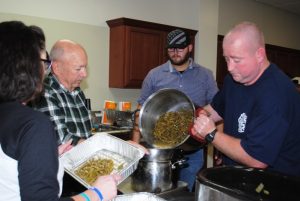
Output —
(155, 171)
(160, 102)
(235, 183)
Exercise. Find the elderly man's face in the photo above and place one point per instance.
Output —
(73, 69)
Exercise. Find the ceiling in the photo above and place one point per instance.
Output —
(292, 6)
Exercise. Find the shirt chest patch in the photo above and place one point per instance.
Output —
(242, 121)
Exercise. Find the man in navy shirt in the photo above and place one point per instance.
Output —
(259, 105)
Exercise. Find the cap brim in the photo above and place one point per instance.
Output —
(181, 46)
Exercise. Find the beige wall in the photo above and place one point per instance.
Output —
(280, 28)
(84, 22)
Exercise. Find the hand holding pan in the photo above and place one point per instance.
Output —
(192, 131)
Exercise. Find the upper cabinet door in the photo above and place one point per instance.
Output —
(145, 50)
(135, 48)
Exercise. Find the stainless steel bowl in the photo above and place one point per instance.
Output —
(160, 102)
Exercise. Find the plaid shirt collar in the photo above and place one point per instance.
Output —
(57, 85)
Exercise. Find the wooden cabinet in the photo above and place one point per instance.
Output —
(287, 59)
(136, 47)
(221, 64)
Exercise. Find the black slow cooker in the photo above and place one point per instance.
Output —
(233, 183)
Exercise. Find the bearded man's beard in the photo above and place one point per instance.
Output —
(183, 61)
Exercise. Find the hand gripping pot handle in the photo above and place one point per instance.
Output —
(192, 131)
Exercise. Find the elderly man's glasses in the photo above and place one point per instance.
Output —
(171, 50)
(47, 63)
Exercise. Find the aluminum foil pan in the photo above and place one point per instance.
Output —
(103, 146)
(143, 196)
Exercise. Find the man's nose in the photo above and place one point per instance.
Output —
(230, 65)
(83, 73)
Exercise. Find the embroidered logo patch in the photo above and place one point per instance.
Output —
(242, 123)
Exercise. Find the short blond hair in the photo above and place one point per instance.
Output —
(249, 30)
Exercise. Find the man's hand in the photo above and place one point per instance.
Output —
(64, 147)
(192, 130)
(203, 125)
(201, 110)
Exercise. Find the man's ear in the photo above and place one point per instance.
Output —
(260, 54)
(54, 67)
(190, 46)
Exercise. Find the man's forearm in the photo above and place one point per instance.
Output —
(212, 113)
(136, 135)
(232, 148)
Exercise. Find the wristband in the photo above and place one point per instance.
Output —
(98, 192)
(86, 197)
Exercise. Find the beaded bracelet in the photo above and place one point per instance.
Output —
(86, 197)
(98, 192)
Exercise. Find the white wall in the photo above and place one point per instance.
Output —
(279, 27)
(85, 22)
(96, 12)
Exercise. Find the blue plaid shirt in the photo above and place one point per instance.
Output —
(67, 110)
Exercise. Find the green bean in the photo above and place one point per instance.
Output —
(94, 168)
(172, 128)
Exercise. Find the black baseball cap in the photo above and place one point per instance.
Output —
(178, 39)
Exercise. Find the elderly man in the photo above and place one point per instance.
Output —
(63, 100)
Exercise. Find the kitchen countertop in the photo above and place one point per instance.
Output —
(121, 131)
(124, 134)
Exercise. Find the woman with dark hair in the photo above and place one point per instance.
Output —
(28, 148)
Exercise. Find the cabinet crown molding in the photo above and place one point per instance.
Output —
(145, 24)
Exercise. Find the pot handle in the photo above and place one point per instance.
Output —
(180, 164)
(179, 160)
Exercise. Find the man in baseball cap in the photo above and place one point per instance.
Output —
(197, 82)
